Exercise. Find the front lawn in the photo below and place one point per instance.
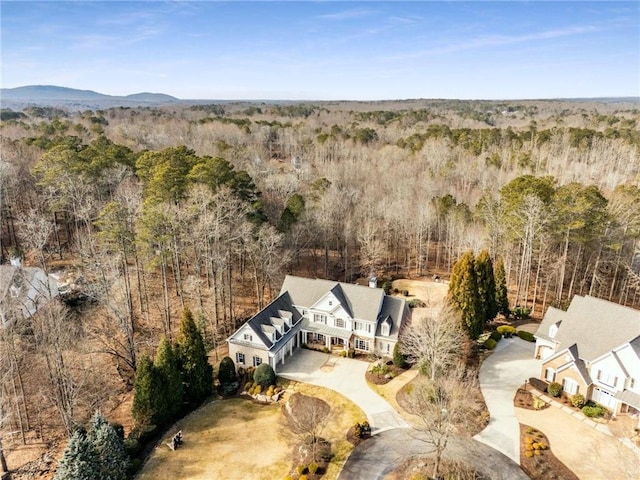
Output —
(237, 438)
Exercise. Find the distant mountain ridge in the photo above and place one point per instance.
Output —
(52, 95)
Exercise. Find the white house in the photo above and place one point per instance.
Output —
(322, 312)
(23, 290)
(594, 349)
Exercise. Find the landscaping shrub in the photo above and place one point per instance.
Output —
(554, 389)
(520, 313)
(300, 469)
(264, 375)
(351, 353)
(248, 386)
(227, 371)
(538, 403)
(362, 430)
(303, 477)
(490, 344)
(495, 336)
(399, 359)
(578, 400)
(594, 410)
(416, 303)
(313, 468)
(506, 329)
(527, 336)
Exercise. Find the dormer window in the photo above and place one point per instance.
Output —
(385, 329)
(553, 329)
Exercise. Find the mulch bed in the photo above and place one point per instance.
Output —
(523, 399)
(381, 378)
(536, 457)
(540, 463)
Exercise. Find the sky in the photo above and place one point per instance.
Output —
(367, 50)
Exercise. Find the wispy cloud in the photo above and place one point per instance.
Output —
(499, 40)
(348, 14)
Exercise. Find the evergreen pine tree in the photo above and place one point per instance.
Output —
(463, 294)
(147, 394)
(197, 373)
(79, 461)
(502, 300)
(112, 457)
(486, 285)
(166, 364)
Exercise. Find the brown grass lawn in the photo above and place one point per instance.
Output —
(430, 292)
(238, 439)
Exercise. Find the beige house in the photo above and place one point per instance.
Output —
(335, 315)
(594, 349)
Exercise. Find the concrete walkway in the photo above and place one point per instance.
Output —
(347, 377)
(500, 376)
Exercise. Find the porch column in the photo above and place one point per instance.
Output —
(327, 341)
(345, 344)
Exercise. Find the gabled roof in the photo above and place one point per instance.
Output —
(575, 361)
(360, 301)
(263, 324)
(596, 326)
(552, 317)
(394, 310)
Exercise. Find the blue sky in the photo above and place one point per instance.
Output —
(326, 50)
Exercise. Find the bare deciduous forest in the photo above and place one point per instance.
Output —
(141, 212)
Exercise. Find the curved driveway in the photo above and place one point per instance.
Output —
(376, 457)
(500, 376)
(347, 377)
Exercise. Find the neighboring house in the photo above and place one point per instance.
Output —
(322, 312)
(594, 349)
(23, 290)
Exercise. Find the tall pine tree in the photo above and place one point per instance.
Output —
(166, 365)
(502, 300)
(197, 373)
(463, 294)
(486, 285)
(147, 396)
(79, 461)
(112, 459)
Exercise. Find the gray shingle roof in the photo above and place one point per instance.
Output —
(263, 322)
(628, 397)
(596, 326)
(396, 310)
(553, 316)
(360, 301)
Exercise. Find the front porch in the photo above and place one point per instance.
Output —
(325, 342)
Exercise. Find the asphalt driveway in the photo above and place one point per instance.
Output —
(379, 455)
(347, 377)
(500, 376)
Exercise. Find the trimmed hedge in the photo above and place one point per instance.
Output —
(504, 329)
(490, 344)
(495, 336)
(527, 336)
